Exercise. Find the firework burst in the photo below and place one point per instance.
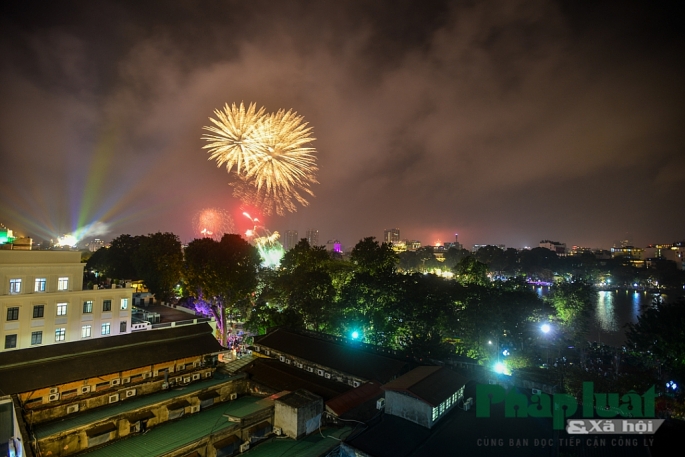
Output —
(212, 223)
(235, 136)
(274, 166)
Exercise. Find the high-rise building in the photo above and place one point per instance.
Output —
(391, 236)
(290, 239)
(313, 237)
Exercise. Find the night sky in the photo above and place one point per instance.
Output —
(505, 122)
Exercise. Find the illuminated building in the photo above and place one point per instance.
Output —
(95, 245)
(312, 236)
(6, 235)
(334, 246)
(555, 246)
(42, 301)
(290, 239)
(391, 236)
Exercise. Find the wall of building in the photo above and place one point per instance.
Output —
(31, 268)
(410, 408)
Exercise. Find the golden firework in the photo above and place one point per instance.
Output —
(274, 166)
(235, 138)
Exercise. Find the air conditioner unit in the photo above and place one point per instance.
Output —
(194, 409)
(113, 398)
(208, 374)
(196, 364)
(380, 403)
(255, 348)
(177, 380)
(233, 396)
(355, 383)
(156, 373)
(319, 372)
(72, 408)
(196, 376)
(298, 365)
(130, 393)
(536, 391)
(53, 397)
(186, 379)
(278, 431)
(288, 361)
(267, 352)
(54, 390)
(165, 385)
(85, 389)
(181, 368)
(310, 369)
(115, 382)
(281, 358)
(327, 376)
(147, 375)
(245, 446)
(126, 380)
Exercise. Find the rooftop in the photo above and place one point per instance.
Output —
(349, 359)
(431, 384)
(35, 368)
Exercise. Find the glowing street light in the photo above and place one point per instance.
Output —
(545, 328)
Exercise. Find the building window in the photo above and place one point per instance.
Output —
(13, 313)
(107, 305)
(105, 330)
(38, 311)
(85, 331)
(63, 284)
(10, 341)
(124, 303)
(36, 338)
(61, 309)
(122, 327)
(60, 334)
(87, 306)
(15, 286)
(40, 285)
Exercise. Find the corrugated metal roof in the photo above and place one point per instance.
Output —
(95, 415)
(431, 384)
(344, 358)
(164, 438)
(353, 398)
(30, 369)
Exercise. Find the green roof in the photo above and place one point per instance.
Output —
(166, 437)
(132, 404)
(314, 445)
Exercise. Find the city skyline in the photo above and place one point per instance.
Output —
(508, 123)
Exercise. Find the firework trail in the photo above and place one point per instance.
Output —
(274, 167)
(266, 242)
(212, 223)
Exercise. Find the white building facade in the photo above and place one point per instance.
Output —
(42, 301)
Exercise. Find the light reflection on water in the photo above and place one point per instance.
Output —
(613, 310)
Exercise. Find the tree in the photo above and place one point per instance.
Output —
(659, 335)
(158, 261)
(120, 257)
(373, 257)
(223, 274)
(573, 302)
(471, 271)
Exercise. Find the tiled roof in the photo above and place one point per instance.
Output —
(431, 384)
(353, 398)
(30, 369)
(279, 376)
(344, 358)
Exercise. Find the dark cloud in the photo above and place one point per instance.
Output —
(506, 122)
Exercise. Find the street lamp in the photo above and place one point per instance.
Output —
(546, 328)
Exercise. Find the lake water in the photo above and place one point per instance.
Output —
(613, 310)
